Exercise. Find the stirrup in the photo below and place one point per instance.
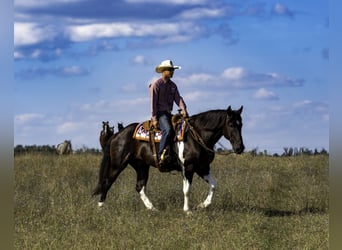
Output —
(162, 157)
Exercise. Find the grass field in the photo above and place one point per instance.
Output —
(260, 203)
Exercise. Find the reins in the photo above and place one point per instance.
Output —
(197, 136)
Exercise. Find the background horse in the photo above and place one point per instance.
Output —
(64, 148)
(120, 126)
(105, 134)
(195, 154)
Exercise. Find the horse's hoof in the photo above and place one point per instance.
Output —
(201, 206)
(153, 209)
(188, 213)
(100, 204)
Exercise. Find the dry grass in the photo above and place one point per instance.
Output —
(260, 203)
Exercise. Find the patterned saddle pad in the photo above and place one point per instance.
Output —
(142, 131)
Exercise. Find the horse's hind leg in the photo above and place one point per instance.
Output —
(108, 182)
(142, 171)
(212, 185)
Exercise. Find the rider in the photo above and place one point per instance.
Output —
(163, 92)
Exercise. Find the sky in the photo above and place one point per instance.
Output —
(80, 62)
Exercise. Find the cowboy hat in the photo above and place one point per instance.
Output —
(167, 64)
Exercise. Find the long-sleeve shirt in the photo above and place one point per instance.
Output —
(162, 95)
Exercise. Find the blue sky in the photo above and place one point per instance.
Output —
(80, 62)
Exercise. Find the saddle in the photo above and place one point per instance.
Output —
(146, 132)
(142, 130)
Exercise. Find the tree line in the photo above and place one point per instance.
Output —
(287, 151)
(290, 151)
(48, 149)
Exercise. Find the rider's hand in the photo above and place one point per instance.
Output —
(155, 123)
(185, 114)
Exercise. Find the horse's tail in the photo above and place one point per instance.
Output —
(105, 164)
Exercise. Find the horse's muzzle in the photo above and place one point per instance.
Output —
(239, 149)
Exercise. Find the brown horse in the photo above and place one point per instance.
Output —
(105, 134)
(195, 153)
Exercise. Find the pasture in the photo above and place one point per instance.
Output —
(261, 202)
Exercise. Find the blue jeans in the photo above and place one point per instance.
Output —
(164, 119)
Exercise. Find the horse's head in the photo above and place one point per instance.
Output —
(232, 129)
(120, 126)
(111, 130)
(105, 128)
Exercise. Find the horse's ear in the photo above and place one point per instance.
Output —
(240, 110)
(229, 110)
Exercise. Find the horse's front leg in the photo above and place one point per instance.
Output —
(212, 185)
(187, 180)
(187, 177)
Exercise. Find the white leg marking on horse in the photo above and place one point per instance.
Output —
(212, 185)
(181, 152)
(100, 204)
(186, 183)
(186, 191)
(145, 199)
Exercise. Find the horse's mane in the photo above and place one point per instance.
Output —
(208, 119)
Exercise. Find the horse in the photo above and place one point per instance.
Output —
(105, 134)
(64, 148)
(195, 153)
(120, 126)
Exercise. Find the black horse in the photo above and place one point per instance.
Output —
(195, 153)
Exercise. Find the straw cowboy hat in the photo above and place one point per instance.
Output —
(167, 64)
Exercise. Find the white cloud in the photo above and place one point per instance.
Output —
(130, 87)
(41, 3)
(308, 106)
(36, 53)
(195, 96)
(27, 118)
(239, 77)
(140, 60)
(68, 127)
(18, 55)
(234, 73)
(280, 9)
(31, 33)
(195, 79)
(104, 107)
(264, 94)
(181, 38)
(73, 70)
(302, 104)
(79, 33)
(254, 120)
(199, 13)
(176, 2)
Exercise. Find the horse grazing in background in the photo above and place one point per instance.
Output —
(105, 134)
(64, 148)
(195, 153)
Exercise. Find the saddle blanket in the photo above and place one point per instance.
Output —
(142, 132)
